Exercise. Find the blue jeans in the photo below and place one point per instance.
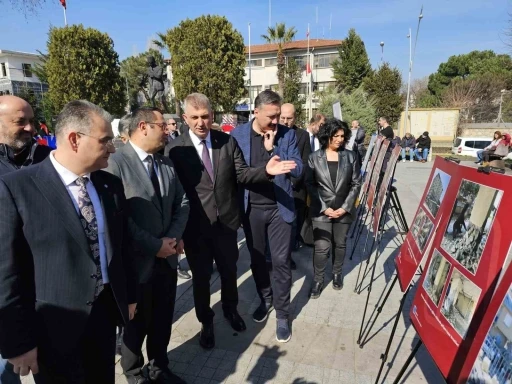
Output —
(479, 154)
(423, 155)
(7, 376)
(411, 154)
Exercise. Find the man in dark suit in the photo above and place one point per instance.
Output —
(209, 164)
(269, 209)
(65, 270)
(158, 210)
(357, 145)
(18, 150)
(288, 118)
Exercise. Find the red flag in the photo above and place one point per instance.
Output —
(63, 2)
(308, 67)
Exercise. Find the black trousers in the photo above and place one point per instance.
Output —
(329, 235)
(202, 249)
(155, 309)
(94, 360)
(300, 212)
(258, 225)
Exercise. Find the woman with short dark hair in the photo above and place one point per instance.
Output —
(333, 179)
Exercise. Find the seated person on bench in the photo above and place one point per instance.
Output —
(500, 152)
(423, 146)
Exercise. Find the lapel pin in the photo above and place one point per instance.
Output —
(106, 186)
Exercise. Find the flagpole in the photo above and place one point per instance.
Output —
(65, 18)
(308, 73)
(250, 78)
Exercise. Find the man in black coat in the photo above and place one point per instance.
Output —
(288, 118)
(65, 276)
(209, 164)
(18, 150)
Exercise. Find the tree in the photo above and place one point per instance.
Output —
(207, 56)
(82, 64)
(280, 36)
(353, 65)
(384, 85)
(25, 6)
(292, 85)
(475, 63)
(354, 106)
(133, 69)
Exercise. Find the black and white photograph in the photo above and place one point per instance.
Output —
(470, 223)
(436, 276)
(460, 301)
(436, 191)
(493, 364)
(421, 229)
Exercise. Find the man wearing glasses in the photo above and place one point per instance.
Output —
(158, 212)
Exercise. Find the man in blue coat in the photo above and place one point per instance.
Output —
(269, 209)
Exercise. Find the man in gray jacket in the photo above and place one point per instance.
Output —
(158, 212)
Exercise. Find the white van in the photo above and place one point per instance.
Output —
(469, 146)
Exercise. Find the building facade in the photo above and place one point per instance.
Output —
(16, 73)
(261, 74)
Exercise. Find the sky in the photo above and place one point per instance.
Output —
(449, 27)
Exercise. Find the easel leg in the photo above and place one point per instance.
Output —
(360, 284)
(359, 233)
(369, 288)
(408, 361)
(384, 356)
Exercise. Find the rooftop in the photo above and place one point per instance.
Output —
(297, 44)
(5, 52)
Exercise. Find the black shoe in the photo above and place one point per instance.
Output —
(167, 377)
(283, 331)
(292, 264)
(236, 321)
(182, 274)
(261, 313)
(138, 379)
(337, 281)
(207, 336)
(316, 290)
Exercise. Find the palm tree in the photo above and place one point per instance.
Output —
(280, 36)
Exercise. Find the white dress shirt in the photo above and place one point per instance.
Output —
(317, 143)
(199, 146)
(68, 179)
(143, 156)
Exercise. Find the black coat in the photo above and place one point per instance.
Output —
(34, 154)
(47, 272)
(206, 199)
(324, 194)
(304, 146)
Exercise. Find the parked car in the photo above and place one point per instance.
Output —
(469, 146)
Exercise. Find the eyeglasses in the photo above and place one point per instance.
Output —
(163, 126)
(106, 141)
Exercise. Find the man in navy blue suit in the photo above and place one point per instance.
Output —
(269, 208)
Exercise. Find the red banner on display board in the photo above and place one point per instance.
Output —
(428, 215)
(373, 159)
(384, 186)
(489, 357)
(467, 254)
(377, 167)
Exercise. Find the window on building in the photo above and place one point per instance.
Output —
(323, 85)
(27, 70)
(325, 61)
(255, 63)
(254, 91)
(508, 320)
(4, 70)
(301, 61)
(271, 62)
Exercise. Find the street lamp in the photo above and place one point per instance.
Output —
(382, 49)
(411, 60)
(500, 116)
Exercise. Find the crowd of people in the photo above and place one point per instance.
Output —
(91, 236)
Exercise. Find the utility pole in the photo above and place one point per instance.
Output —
(250, 79)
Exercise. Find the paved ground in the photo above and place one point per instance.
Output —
(325, 331)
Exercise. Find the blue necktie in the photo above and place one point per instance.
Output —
(313, 143)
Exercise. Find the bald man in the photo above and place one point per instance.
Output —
(18, 149)
(288, 118)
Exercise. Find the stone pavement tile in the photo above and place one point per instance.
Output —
(213, 362)
(346, 377)
(364, 379)
(344, 361)
(206, 372)
(181, 368)
(201, 380)
(222, 375)
(323, 347)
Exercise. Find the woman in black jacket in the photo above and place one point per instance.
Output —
(333, 180)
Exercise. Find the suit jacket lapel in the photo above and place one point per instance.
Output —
(49, 183)
(342, 161)
(324, 167)
(107, 209)
(136, 165)
(166, 181)
(215, 155)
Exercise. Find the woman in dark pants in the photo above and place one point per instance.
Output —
(333, 179)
